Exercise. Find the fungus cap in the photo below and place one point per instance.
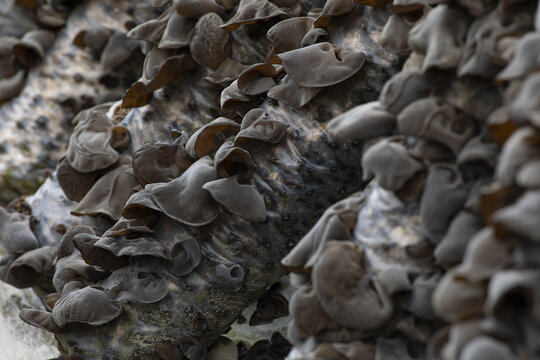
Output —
(330, 65)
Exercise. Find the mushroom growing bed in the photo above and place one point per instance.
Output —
(228, 142)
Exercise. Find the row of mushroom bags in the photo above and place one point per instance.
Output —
(436, 260)
(452, 148)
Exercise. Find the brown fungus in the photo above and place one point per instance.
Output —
(396, 30)
(524, 107)
(333, 8)
(419, 303)
(31, 48)
(50, 300)
(478, 156)
(176, 34)
(137, 95)
(394, 280)
(208, 43)
(528, 175)
(256, 126)
(227, 72)
(512, 295)
(440, 36)
(444, 194)
(294, 33)
(403, 89)
(231, 160)
(310, 319)
(151, 30)
(74, 183)
(525, 59)
(252, 116)
(363, 122)
(186, 256)
(390, 164)
(487, 348)
(520, 218)
(459, 335)
(197, 8)
(119, 49)
(485, 255)
(517, 150)
(251, 11)
(109, 194)
(336, 223)
(329, 65)
(134, 246)
(492, 42)
(477, 98)
(67, 246)
(92, 144)
(16, 236)
(87, 305)
(431, 118)
(162, 66)
(41, 319)
(96, 256)
(257, 79)
(136, 284)
(74, 269)
(140, 205)
(453, 245)
(184, 199)
(500, 126)
(241, 199)
(430, 151)
(233, 100)
(456, 299)
(125, 226)
(346, 292)
(203, 141)
(230, 277)
(160, 162)
(289, 92)
(27, 267)
(94, 39)
(171, 70)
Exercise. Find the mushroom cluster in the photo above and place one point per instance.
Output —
(455, 135)
(187, 233)
(26, 261)
(295, 41)
(164, 186)
(364, 282)
(190, 33)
